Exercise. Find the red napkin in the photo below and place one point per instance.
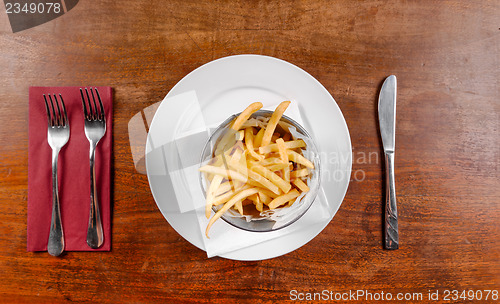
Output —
(74, 172)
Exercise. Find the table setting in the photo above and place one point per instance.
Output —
(68, 229)
(250, 152)
(245, 88)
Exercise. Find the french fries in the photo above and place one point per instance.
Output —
(294, 144)
(280, 200)
(258, 138)
(271, 176)
(254, 107)
(271, 125)
(296, 157)
(284, 157)
(299, 173)
(249, 143)
(216, 181)
(238, 197)
(301, 185)
(257, 164)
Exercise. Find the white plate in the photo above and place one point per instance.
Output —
(226, 86)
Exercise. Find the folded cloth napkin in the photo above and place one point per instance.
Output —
(74, 172)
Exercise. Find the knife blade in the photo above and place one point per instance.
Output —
(387, 121)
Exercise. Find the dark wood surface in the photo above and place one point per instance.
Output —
(446, 57)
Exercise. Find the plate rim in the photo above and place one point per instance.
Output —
(230, 255)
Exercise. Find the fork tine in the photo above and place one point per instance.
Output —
(49, 120)
(54, 116)
(85, 113)
(100, 104)
(65, 117)
(91, 111)
(96, 112)
(59, 118)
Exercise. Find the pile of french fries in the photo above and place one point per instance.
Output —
(257, 165)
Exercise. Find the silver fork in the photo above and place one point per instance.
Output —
(57, 136)
(95, 127)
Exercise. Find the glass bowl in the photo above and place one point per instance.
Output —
(268, 220)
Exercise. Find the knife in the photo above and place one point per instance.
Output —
(387, 121)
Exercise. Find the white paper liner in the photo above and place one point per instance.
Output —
(225, 238)
(178, 153)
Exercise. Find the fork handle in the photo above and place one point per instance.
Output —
(55, 245)
(95, 236)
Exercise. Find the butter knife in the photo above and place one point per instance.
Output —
(387, 121)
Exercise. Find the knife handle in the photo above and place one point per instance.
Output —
(391, 211)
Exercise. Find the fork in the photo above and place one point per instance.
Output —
(95, 127)
(57, 137)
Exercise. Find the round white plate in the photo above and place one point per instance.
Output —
(226, 86)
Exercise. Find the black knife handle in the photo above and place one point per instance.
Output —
(391, 211)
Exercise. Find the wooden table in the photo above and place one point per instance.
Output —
(446, 57)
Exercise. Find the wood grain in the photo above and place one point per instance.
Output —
(446, 57)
